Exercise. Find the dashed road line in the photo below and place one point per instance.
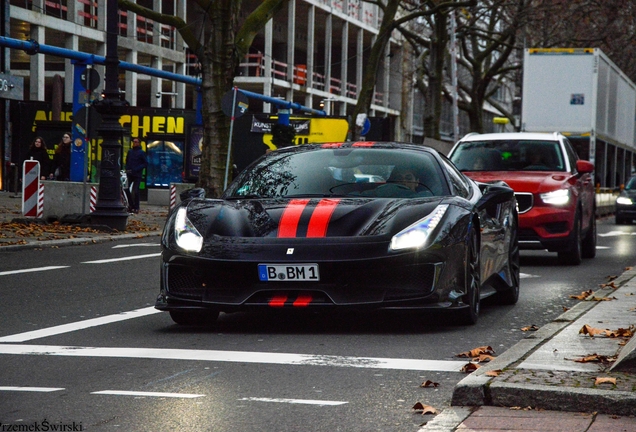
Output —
(31, 270)
(31, 389)
(80, 325)
(295, 401)
(110, 260)
(147, 394)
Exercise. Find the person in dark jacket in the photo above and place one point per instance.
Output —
(136, 162)
(62, 159)
(38, 152)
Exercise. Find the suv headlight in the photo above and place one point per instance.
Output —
(557, 197)
(624, 201)
(187, 236)
(415, 236)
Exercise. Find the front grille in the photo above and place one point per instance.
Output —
(556, 227)
(183, 282)
(525, 201)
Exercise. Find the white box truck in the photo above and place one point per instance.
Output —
(584, 95)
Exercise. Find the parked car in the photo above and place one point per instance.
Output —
(626, 203)
(298, 230)
(554, 188)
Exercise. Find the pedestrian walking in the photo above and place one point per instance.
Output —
(39, 152)
(62, 159)
(136, 162)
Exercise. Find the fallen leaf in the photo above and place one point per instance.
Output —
(565, 309)
(426, 409)
(429, 383)
(530, 328)
(583, 295)
(484, 358)
(470, 367)
(628, 268)
(594, 298)
(494, 373)
(475, 352)
(605, 380)
(595, 358)
(586, 329)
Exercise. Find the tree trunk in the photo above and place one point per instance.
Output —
(365, 95)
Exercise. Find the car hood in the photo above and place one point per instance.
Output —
(524, 181)
(307, 217)
(629, 193)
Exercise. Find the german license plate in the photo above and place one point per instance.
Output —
(288, 272)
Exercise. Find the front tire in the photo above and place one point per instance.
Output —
(511, 295)
(472, 283)
(589, 242)
(574, 253)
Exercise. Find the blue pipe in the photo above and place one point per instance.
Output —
(32, 47)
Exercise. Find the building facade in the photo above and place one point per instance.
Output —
(313, 52)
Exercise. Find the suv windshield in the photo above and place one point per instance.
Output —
(509, 155)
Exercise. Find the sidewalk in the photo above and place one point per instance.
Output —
(549, 381)
(17, 232)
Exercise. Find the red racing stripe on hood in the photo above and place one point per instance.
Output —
(320, 217)
(291, 215)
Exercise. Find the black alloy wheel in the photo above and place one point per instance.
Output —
(472, 282)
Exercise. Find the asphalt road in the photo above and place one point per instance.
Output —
(81, 345)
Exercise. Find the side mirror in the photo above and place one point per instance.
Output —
(584, 167)
(192, 193)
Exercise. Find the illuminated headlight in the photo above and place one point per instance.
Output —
(187, 236)
(624, 201)
(415, 236)
(557, 197)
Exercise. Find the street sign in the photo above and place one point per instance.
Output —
(240, 106)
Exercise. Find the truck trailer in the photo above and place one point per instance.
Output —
(585, 96)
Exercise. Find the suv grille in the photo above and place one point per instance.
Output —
(525, 201)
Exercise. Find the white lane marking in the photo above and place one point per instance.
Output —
(136, 245)
(526, 275)
(31, 389)
(79, 325)
(122, 259)
(602, 247)
(147, 394)
(295, 401)
(36, 269)
(616, 233)
(237, 357)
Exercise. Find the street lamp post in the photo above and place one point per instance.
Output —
(109, 209)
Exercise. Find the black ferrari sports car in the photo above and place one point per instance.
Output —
(342, 225)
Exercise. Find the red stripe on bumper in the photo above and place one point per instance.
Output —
(278, 301)
(303, 300)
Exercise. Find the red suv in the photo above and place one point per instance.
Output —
(554, 188)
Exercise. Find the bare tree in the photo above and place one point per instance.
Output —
(219, 44)
(396, 16)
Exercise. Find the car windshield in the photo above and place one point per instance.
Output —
(631, 184)
(509, 155)
(371, 172)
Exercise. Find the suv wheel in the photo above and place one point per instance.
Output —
(574, 253)
(589, 242)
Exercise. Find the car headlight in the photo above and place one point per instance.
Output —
(557, 197)
(415, 236)
(624, 201)
(187, 236)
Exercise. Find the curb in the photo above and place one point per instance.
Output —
(478, 389)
